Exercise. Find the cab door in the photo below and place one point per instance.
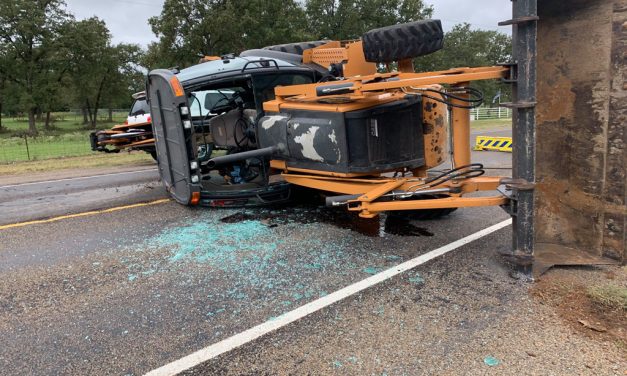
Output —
(172, 129)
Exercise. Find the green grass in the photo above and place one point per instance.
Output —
(66, 138)
(63, 123)
(15, 149)
(610, 296)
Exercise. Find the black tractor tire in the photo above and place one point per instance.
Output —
(404, 41)
(153, 153)
(102, 137)
(296, 48)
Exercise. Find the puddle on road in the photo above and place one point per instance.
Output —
(396, 225)
(375, 227)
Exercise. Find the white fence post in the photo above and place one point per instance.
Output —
(485, 113)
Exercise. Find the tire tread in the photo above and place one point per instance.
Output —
(404, 41)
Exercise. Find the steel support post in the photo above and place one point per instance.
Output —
(524, 23)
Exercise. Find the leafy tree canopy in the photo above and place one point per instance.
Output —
(345, 19)
(190, 29)
(29, 34)
(467, 47)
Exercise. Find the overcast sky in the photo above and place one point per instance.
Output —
(127, 19)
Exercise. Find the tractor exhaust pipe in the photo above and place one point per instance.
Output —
(231, 158)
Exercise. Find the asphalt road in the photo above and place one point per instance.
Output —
(35, 200)
(129, 291)
(125, 292)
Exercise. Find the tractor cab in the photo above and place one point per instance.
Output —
(210, 112)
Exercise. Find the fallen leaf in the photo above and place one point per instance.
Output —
(595, 327)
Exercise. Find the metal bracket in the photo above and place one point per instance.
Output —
(511, 207)
(509, 188)
(512, 77)
(518, 184)
(265, 63)
(519, 20)
(518, 105)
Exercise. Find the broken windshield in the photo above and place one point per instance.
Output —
(202, 101)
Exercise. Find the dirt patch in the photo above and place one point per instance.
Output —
(579, 297)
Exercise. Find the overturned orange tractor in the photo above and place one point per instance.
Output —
(334, 123)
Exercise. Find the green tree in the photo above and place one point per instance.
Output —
(125, 80)
(54, 86)
(344, 19)
(87, 44)
(10, 98)
(29, 31)
(465, 47)
(3, 81)
(2, 85)
(190, 29)
(98, 69)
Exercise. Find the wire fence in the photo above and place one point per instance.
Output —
(68, 136)
(27, 148)
(77, 116)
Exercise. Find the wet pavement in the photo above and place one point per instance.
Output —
(125, 292)
(27, 200)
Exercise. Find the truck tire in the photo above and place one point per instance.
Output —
(153, 153)
(296, 48)
(404, 41)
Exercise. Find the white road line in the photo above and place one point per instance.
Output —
(77, 178)
(251, 334)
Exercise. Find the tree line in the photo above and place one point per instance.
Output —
(50, 61)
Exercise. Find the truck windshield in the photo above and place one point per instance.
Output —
(201, 102)
(140, 107)
(264, 84)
